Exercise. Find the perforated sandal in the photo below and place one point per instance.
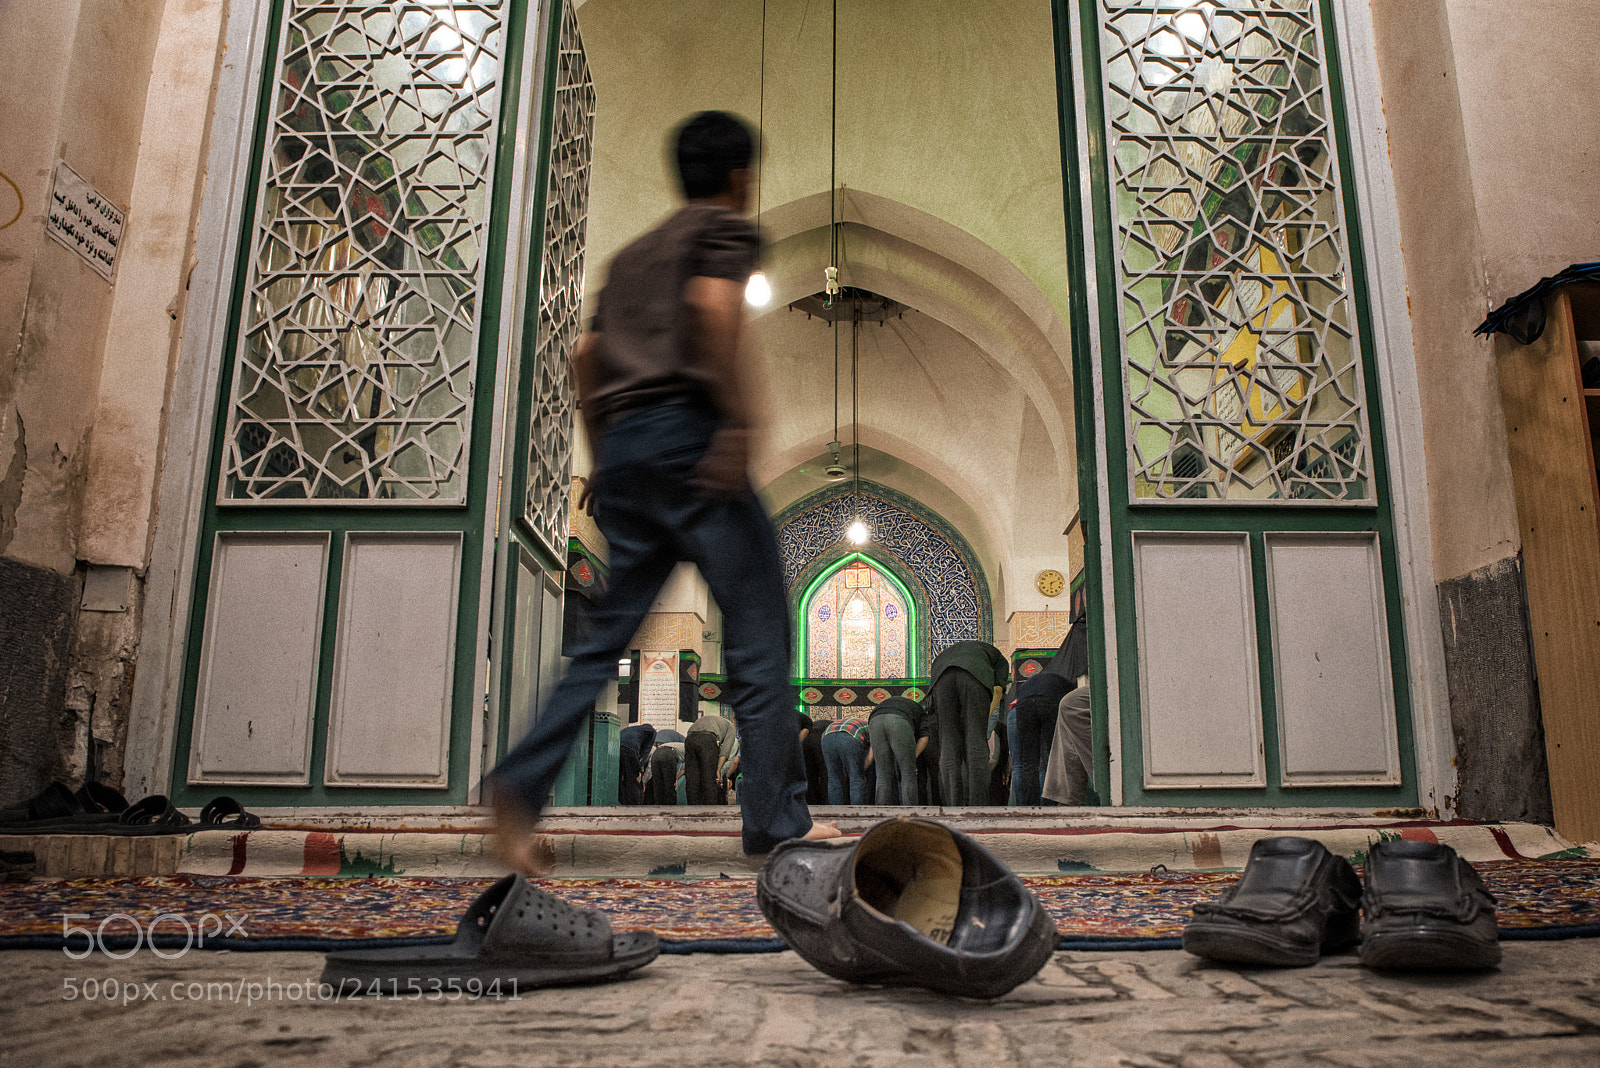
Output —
(513, 937)
(910, 903)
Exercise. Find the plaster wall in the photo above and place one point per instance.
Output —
(936, 99)
(77, 73)
(149, 300)
(1493, 138)
(1529, 82)
(74, 90)
(1469, 471)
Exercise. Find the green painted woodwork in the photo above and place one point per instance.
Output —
(1124, 519)
(605, 767)
(468, 520)
(572, 785)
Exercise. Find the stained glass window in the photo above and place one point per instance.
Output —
(1241, 365)
(857, 627)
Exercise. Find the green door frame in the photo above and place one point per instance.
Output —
(466, 701)
(1122, 520)
(524, 560)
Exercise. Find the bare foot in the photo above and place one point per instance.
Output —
(517, 844)
(820, 831)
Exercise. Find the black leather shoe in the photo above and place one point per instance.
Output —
(1293, 902)
(911, 902)
(1426, 908)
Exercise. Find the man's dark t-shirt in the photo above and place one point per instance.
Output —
(906, 709)
(979, 659)
(1051, 688)
(646, 356)
(1072, 659)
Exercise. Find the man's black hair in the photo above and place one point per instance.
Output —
(710, 146)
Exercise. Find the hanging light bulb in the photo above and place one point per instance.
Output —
(858, 533)
(757, 291)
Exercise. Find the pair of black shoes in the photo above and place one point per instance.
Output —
(1425, 908)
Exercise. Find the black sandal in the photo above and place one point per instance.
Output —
(226, 813)
(153, 815)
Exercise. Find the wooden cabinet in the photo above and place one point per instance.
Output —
(1552, 425)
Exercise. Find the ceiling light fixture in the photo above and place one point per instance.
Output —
(758, 291)
(859, 533)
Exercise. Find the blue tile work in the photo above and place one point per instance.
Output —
(955, 591)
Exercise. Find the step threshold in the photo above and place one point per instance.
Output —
(688, 844)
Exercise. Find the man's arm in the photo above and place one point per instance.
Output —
(716, 314)
(584, 374)
(726, 742)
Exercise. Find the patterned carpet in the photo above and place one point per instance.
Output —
(1537, 899)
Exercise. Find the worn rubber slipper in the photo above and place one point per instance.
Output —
(94, 809)
(912, 902)
(225, 812)
(513, 937)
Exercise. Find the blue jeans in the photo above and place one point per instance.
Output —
(847, 776)
(894, 754)
(653, 518)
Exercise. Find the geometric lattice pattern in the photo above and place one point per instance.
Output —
(354, 374)
(566, 216)
(1241, 368)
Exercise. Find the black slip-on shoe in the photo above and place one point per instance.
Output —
(911, 902)
(1293, 902)
(1426, 908)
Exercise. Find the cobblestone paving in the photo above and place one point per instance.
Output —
(1135, 1009)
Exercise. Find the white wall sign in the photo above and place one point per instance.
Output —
(658, 688)
(85, 221)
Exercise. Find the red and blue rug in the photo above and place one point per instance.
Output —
(1538, 899)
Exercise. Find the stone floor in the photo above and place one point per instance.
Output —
(1131, 1008)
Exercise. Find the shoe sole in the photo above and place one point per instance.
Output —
(1246, 945)
(404, 977)
(1428, 947)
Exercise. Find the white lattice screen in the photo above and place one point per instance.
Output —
(354, 374)
(1241, 365)
(566, 216)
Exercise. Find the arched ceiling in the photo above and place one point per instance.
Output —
(947, 151)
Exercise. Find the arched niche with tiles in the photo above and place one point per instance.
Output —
(925, 553)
